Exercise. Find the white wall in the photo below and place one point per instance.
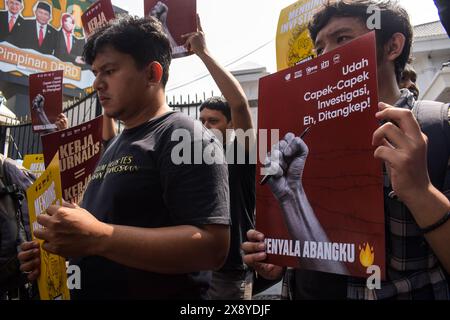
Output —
(427, 65)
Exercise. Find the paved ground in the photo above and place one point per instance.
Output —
(273, 293)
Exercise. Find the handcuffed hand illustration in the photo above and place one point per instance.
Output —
(286, 163)
(38, 106)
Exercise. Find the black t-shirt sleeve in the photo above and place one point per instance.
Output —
(195, 194)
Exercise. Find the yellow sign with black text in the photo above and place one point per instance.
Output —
(46, 191)
(294, 44)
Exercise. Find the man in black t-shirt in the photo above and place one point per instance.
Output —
(223, 117)
(148, 225)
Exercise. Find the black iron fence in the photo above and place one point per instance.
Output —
(18, 139)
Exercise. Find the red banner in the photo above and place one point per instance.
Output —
(178, 17)
(97, 16)
(323, 210)
(45, 92)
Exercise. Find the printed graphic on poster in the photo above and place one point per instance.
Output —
(45, 92)
(34, 163)
(294, 44)
(97, 16)
(79, 151)
(44, 36)
(44, 192)
(323, 208)
(178, 17)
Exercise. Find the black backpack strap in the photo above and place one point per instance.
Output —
(433, 118)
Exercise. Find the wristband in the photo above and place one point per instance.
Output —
(436, 225)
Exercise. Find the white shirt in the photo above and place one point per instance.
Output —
(38, 27)
(12, 15)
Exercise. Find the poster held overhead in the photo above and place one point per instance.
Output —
(177, 17)
(97, 16)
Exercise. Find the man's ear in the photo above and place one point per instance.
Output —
(154, 72)
(394, 47)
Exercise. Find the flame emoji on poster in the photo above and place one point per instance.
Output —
(366, 255)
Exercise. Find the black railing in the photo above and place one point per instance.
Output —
(18, 139)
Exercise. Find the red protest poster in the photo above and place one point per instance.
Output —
(97, 16)
(79, 151)
(323, 208)
(178, 17)
(45, 99)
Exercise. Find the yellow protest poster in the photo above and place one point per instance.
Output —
(46, 191)
(34, 163)
(293, 41)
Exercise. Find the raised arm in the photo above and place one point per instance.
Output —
(227, 83)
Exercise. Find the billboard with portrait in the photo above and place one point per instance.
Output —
(44, 36)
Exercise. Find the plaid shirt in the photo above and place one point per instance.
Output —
(413, 270)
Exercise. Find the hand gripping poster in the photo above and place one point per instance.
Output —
(294, 44)
(46, 191)
(177, 17)
(321, 206)
(45, 100)
(79, 151)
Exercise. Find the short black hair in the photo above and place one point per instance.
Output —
(410, 72)
(142, 38)
(394, 18)
(44, 6)
(217, 103)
